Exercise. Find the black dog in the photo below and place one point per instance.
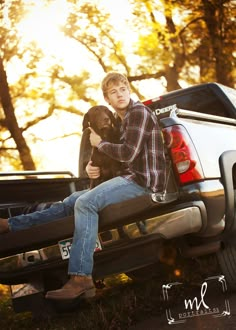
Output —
(103, 122)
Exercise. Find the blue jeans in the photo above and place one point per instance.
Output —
(86, 204)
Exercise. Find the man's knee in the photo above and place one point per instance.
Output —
(81, 202)
(85, 202)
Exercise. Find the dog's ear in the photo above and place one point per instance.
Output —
(86, 121)
(112, 118)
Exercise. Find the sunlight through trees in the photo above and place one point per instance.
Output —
(55, 52)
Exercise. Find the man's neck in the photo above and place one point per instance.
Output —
(121, 113)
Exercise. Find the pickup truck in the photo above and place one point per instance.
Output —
(195, 214)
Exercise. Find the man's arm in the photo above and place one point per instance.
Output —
(140, 124)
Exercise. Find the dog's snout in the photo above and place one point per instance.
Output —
(104, 121)
(100, 118)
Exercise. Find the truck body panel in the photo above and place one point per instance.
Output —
(208, 143)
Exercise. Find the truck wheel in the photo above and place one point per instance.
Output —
(226, 257)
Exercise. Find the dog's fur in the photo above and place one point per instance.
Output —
(103, 122)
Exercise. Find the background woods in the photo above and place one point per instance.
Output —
(54, 54)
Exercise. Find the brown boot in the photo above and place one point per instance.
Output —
(77, 286)
(4, 228)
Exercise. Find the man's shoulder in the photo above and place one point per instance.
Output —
(136, 104)
(139, 107)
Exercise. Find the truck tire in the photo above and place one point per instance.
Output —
(226, 257)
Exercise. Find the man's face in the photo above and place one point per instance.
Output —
(118, 96)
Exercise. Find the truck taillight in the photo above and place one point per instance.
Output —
(183, 154)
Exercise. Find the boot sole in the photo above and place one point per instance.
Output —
(85, 295)
(88, 293)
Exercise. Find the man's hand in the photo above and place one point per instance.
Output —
(92, 171)
(95, 139)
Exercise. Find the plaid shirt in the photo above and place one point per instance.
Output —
(141, 147)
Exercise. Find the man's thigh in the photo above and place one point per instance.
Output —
(111, 192)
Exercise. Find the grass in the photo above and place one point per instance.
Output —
(120, 305)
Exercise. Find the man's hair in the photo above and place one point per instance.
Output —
(113, 78)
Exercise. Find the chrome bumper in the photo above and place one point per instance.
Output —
(170, 225)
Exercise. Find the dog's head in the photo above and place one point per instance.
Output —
(100, 119)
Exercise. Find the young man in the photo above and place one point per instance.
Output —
(141, 151)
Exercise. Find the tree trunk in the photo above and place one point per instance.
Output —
(11, 122)
(214, 19)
